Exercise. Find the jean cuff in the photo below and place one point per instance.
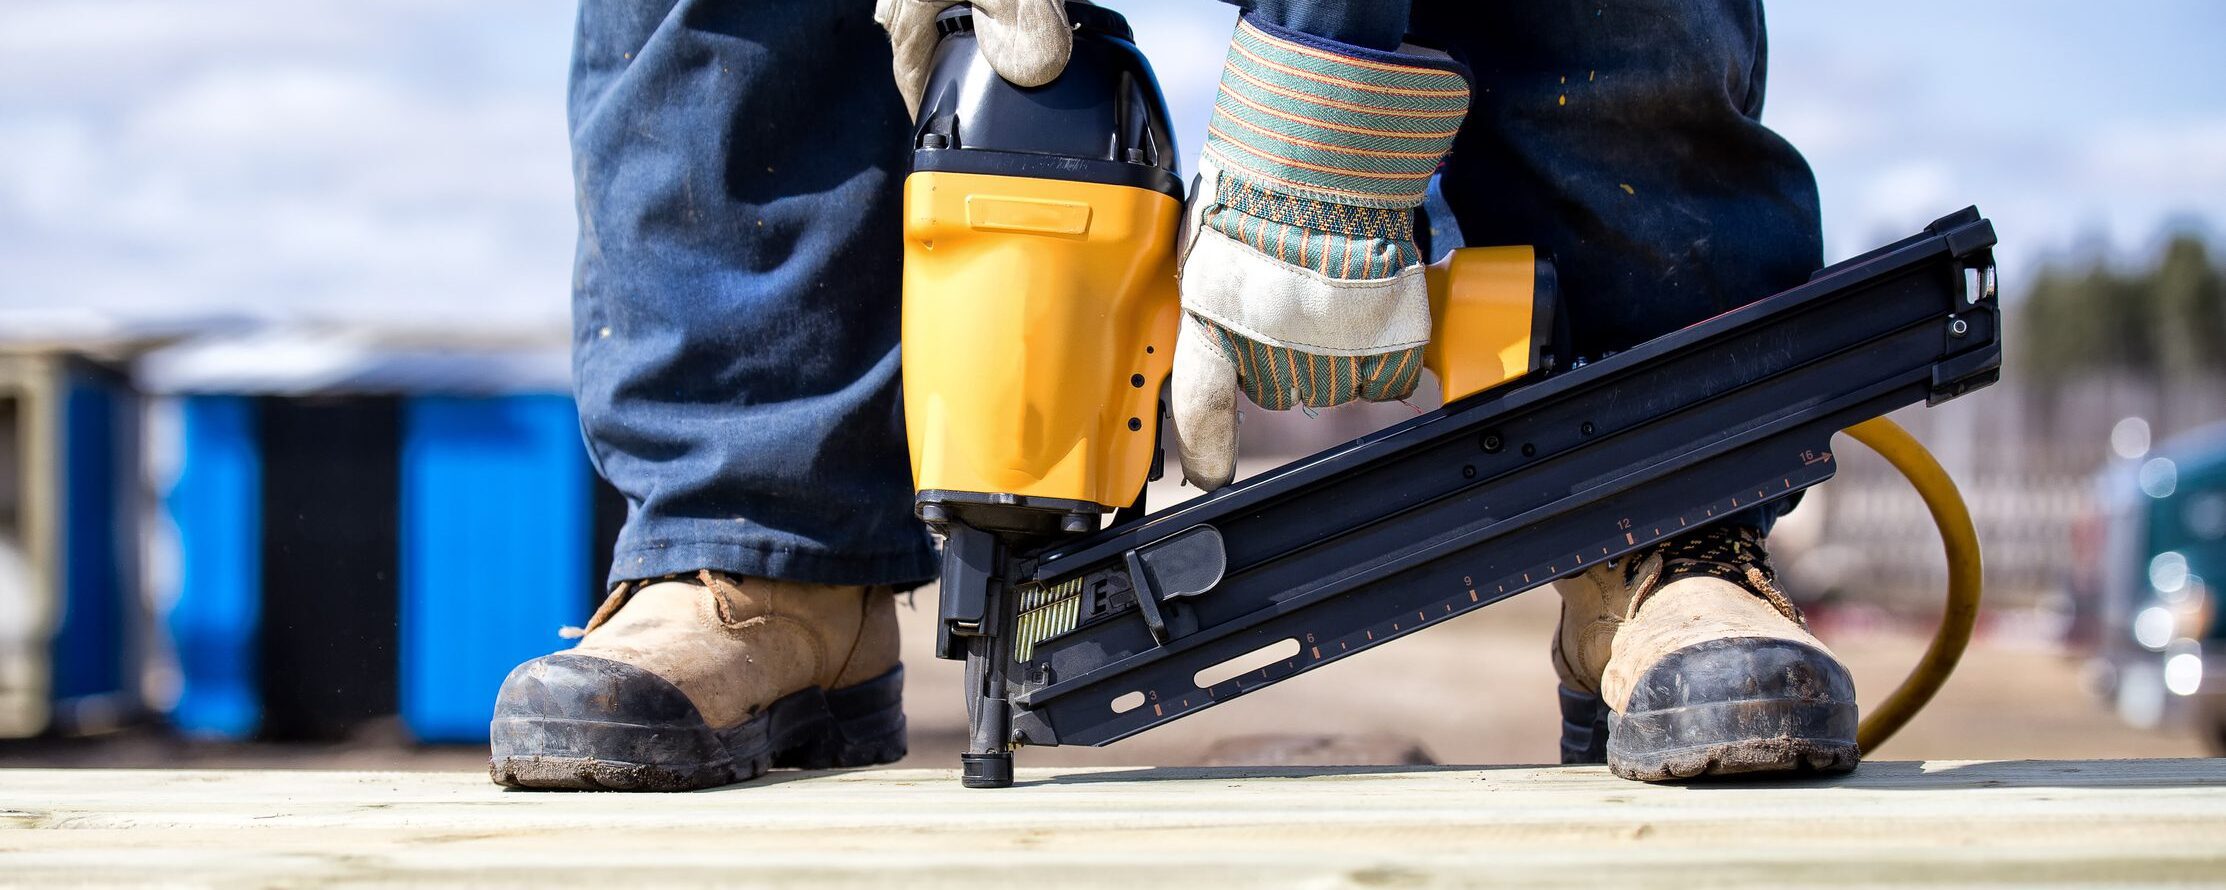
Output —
(904, 569)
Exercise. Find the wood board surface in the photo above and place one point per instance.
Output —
(1892, 823)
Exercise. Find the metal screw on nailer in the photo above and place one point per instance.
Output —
(1492, 443)
(1958, 327)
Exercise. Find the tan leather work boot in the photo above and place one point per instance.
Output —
(1684, 660)
(688, 683)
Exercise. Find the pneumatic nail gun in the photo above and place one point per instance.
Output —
(1039, 319)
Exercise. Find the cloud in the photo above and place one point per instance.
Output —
(1915, 189)
(2187, 157)
(405, 160)
(2047, 128)
(326, 164)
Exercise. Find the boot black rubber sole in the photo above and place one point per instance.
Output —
(554, 729)
(1758, 738)
(1732, 707)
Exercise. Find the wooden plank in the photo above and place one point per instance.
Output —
(2011, 822)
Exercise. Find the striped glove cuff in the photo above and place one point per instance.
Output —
(1309, 117)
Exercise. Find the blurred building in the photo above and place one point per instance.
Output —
(285, 533)
(364, 524)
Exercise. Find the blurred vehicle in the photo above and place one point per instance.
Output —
(2159, 533)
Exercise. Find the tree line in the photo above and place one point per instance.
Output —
(2165, 321)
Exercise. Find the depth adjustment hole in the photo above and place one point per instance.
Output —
(1280, 650)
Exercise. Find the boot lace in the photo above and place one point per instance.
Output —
(1733, 553)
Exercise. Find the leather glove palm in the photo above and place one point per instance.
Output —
(1024, 41)
(1301, 282)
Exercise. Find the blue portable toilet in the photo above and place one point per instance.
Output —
(215, 504)
(497, 532)
(92, 657)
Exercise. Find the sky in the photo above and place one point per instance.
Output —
(404, 161)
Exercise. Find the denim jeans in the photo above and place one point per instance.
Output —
(736, 294)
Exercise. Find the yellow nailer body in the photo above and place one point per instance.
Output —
(1039, 324)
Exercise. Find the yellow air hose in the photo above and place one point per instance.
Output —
(1961, 541)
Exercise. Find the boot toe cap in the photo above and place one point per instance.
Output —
(569, 720)
(586, 687)
(1739, 705)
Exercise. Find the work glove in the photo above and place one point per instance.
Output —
(1024, 41)
(1300, 278)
